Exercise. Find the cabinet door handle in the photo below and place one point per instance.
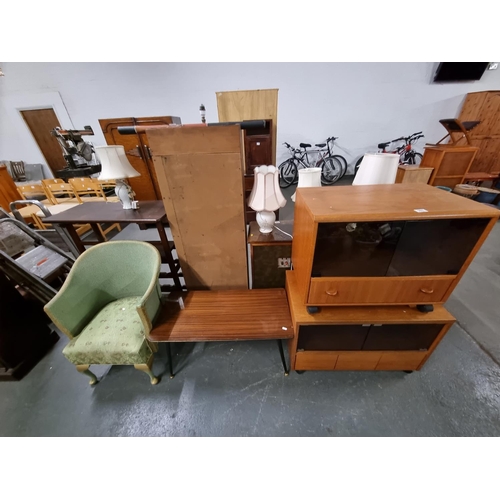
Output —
(332, 293)
(427, 290)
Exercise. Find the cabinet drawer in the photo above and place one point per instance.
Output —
(400, 360)
(315, 360)
(358, 361)
(389, 290)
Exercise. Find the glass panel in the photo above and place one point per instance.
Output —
(401, 337)
(355, 249)
(332, 337)
(435, 246)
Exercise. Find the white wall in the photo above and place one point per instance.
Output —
(362, 103)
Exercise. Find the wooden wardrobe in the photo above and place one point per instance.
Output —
(138, 152)
(485, 108)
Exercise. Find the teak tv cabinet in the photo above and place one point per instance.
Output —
(362, 338)
(398, 244)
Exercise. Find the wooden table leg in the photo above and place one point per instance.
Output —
(74, 236)
(168, 254)
(97, 231)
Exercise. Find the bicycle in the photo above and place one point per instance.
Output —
(407, 155)
(331, 167)
(328, 167)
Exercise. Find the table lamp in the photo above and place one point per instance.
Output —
(266, 196)
(115, 166)
(377, 168)
(308, 177)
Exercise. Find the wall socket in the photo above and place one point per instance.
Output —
(284, 263)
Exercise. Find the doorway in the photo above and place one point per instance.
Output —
(41, 122)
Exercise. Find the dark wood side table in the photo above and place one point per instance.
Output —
(224, 315)
(268, 253)
(150, 212)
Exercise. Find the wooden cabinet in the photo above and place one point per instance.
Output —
(485, 108)
(138, 151)
(258, 144)
(413, 174)
(400, 244)
(450, 163)
(266, 250)
(362, 338)
(8, 190)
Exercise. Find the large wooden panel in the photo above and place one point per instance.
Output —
(8, 190)
(490, 115)
(385, 290)
(250, 105)
(485, 108)
(41, 122)
(200, 175)
(488, 156)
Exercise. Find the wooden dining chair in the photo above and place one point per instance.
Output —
(88, 189)
(59, 191)
(33, 191)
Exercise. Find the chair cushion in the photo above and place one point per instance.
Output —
(115, 336)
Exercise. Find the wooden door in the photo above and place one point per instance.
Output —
(41, 122)
(138, 152)
(250, 105)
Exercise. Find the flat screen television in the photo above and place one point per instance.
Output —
(460, 71)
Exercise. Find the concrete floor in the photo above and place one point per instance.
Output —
(238, 389)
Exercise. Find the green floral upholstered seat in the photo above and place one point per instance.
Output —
(107, 306)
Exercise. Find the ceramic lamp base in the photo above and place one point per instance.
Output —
(126, 195)
(265, 220)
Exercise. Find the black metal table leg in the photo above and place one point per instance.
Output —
(170, 365)
(282, 354)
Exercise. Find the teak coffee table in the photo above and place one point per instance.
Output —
(225, 315)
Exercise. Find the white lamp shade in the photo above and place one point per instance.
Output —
(377, 168)
(114, 163)
(266, 194)
(308, 177)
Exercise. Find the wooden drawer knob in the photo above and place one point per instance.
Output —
(332, 293)
(427, 290)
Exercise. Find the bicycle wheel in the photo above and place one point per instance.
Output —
(343, 161)
(331, 170)
(417, 158)
(412, 158)
(288, 173)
